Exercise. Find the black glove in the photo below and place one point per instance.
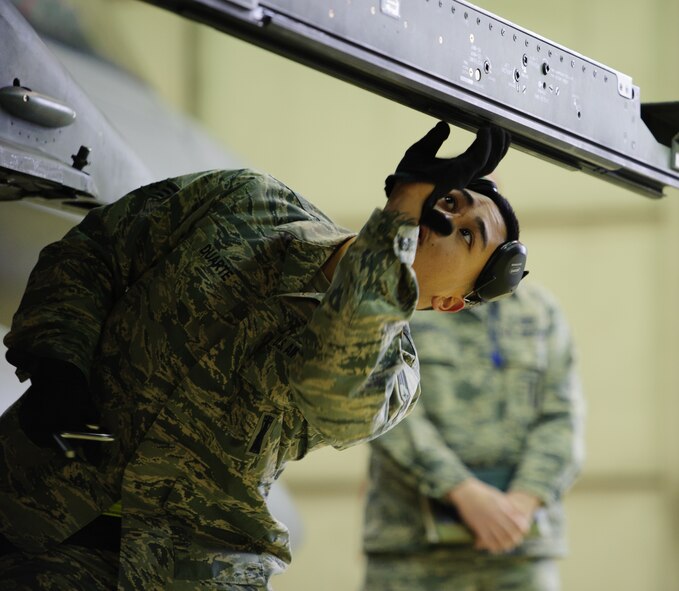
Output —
(420, 164)
(58, 400)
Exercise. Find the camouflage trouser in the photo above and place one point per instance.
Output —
(65, 567)
(443, 572)
(74, 568)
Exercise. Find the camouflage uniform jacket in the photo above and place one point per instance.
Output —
(499, 390)
(217, 352)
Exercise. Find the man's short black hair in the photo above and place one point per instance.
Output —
(489, 189)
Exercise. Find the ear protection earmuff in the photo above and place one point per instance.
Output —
(505, 268)
(501, 274)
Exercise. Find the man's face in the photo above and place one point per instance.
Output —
(447, 266)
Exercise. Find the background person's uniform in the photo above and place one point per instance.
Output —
(217, 351)
(500, 393)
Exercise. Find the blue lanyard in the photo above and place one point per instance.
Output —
(493, 323)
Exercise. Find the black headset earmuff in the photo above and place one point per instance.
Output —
(502, 273)
(505, 268)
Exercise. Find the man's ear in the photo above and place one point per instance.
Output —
(447, 304)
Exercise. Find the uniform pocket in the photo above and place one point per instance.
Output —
(213, 542)
(524, 386)
(219, 569)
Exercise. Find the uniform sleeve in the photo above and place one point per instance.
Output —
(416, 448)
(421, 456)
(554, 450)
(77, 279)
(358, 377)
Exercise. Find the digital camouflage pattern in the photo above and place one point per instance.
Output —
(62, 567)
(217, 351)
(441, 571)
(500, 389)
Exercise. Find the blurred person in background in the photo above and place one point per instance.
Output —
(466, 493)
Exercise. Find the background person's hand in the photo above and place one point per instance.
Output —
(524, 502)
(421, 165)
(496, 522)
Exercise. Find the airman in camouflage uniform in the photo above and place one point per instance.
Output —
(500, 396)
(221, 338)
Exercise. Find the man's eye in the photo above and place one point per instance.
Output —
(449, 202)
(466, 235)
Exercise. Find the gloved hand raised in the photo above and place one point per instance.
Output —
(58, 400)
(420, 164)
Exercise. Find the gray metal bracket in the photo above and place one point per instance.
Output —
(467, 66)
